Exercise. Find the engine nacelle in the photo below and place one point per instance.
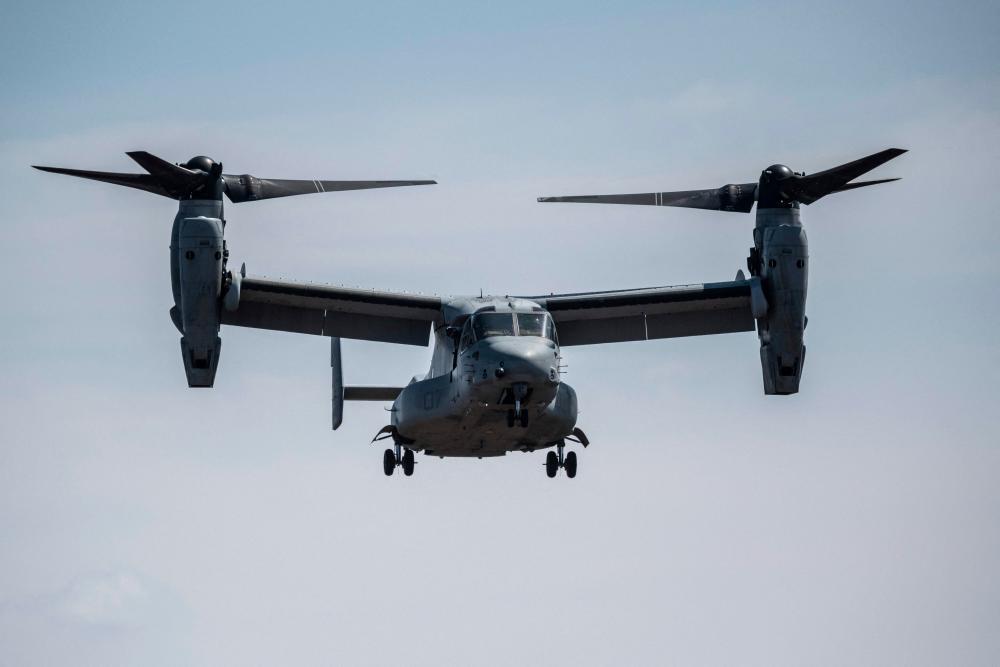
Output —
(783, 265)
(197, 266)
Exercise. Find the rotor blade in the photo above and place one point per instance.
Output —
(145, 182)
(738, 198)
(861, 184)
(165, 172)
(808, 189)
(250, 188)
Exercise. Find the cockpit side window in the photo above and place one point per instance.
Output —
(492, 324)
(467, 337)
(536, 324)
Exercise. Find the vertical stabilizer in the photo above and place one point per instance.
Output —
(337, 373)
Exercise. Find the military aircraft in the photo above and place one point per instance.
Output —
(494, 383)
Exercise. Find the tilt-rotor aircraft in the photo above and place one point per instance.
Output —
(494, 384)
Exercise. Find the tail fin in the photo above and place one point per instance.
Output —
(338, 383)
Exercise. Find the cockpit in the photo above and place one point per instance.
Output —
(489, 324)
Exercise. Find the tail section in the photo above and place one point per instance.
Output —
(342, 393)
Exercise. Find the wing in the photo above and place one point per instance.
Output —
(323, 310)
(654, 312)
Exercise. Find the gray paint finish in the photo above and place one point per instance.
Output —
(495, 379)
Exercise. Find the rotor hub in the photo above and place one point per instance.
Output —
(771, 189)
(200, 163)
(776, 173)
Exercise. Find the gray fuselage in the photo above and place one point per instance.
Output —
(480, 378)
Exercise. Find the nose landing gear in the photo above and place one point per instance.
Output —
(518, 414)
(555, 460)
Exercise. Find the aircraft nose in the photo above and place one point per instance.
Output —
(524, 360)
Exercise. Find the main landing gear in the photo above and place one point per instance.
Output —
(555, 460)
(391, 458)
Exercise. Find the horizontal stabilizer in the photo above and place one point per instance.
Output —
(371, 393)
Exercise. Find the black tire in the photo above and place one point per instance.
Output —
(510, 419)
(389, 462)
(408, 462)
(551, 464)
(570, 464)
(524, 419)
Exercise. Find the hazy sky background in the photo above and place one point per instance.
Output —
(855, 523)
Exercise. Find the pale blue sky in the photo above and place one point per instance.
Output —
(855, 523)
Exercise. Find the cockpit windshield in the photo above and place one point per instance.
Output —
(536, 324)
(485, 325)
(493, 324)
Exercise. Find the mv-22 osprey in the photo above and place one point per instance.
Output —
(494, 383)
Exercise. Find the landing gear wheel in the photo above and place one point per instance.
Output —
(551, 464)
(570, 465)
(524, 419)
(388, 462)
(408, 462)
(510, 419)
